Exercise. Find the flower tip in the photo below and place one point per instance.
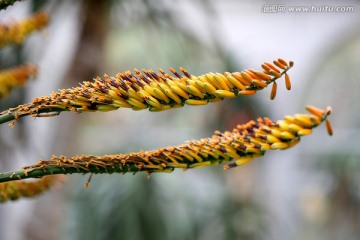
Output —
(247, 92)
(280, 65)
(315, 111)
(273, 91)
(283, 62)
(287, 81)
(279, 145)
(329, 127)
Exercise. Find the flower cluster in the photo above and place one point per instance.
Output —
(16, 32)
(155, 91)
(15, 77)
(244, 143)
(17, 189)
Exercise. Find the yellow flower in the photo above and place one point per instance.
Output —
(15, 77)
(17, 189)
(16, 32)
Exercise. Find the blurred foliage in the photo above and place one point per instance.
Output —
(337, 201)
(132, 207)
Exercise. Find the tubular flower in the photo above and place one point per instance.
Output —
(147, 89)
(17, 189)
(16, 32)
(15, 77)
(242, 144)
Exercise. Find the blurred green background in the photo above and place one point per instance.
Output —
(309, 192)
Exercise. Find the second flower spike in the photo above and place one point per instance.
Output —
(237, 147)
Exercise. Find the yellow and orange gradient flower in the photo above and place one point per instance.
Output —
(146, 89)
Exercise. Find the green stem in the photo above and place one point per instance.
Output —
(19, 175)
(52, 170)
(7, 117)
(11, 116)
